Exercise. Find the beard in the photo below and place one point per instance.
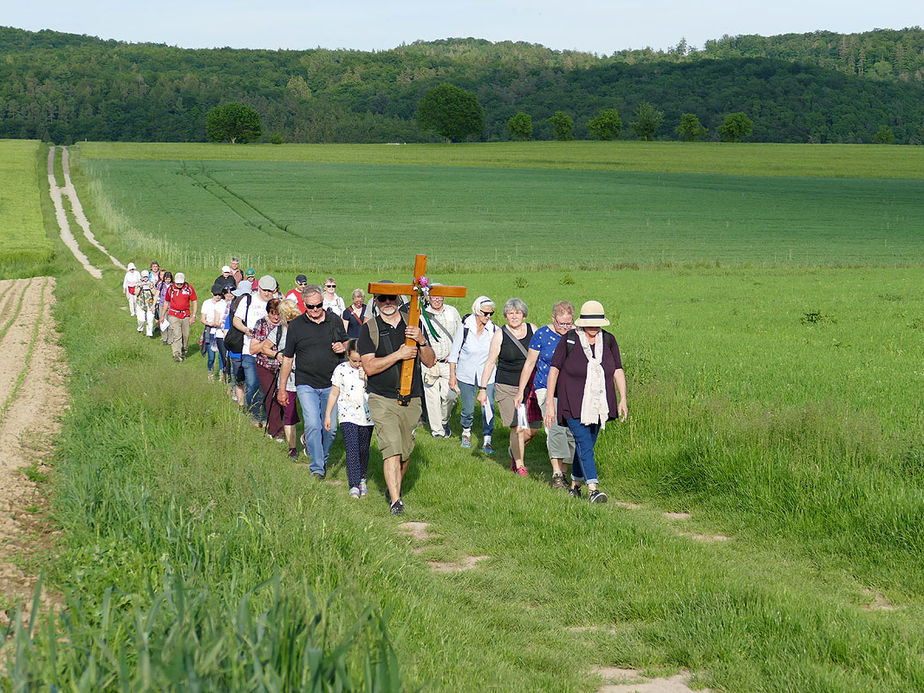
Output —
(388, 309)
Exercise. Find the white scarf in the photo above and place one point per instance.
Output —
(594, 407)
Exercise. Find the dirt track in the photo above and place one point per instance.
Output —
(32, 398)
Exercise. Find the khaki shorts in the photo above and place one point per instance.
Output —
(559, 440)
(394, 425)
(504, 396)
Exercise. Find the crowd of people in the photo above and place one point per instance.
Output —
(304, 355)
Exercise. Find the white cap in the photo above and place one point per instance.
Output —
(225, 268)
(131, 265)
(180, 278)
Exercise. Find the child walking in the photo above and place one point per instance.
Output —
(348, 392)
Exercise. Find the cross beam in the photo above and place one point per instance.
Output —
(420, 268)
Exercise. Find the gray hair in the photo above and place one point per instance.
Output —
(563, 307)
(516, 304)
(359, 292)
(313, 289)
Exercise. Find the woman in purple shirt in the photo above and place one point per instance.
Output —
(585, 375)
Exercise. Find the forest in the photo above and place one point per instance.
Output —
(819, 87)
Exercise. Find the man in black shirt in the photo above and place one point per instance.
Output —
(394, 421)
(318, 339)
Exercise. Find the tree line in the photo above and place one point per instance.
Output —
(64, 88)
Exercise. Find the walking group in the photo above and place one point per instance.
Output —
(306, 355)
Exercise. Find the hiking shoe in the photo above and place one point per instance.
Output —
(397, 508)
(447, 432)
(293, 454)
(522, 471)
(466, 440)
(575, 492)
(354, 493)
(437, 434)
(317, 476)
(596, 496)
(487, 448)
(558, 481)
(363, 490)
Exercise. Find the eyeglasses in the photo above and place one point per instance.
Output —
(487, 313)
(385, 298)
(564, 324)
(330, 286)
(314, 306)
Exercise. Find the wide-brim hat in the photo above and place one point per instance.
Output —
(591, 315)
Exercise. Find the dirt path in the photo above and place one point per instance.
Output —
(61, 215)
(32, 396)
(77, 208)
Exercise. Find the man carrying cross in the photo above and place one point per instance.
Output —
(392, 351)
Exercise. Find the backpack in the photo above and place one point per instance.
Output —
(373, 324)
(234, 338)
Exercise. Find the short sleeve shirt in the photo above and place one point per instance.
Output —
(310, 343)
(544, 341)
(353, 401)
(388, 382)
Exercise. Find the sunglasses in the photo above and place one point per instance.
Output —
(487, 313)
(386, 297)
(330, 286)
(314, 306)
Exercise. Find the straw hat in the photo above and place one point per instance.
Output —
(591, 315)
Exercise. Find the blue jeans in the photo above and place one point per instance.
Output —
(253, 396)
(467, 417)
(220, 345)
(585, 437)
(318, 442)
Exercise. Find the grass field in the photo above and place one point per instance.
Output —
(23, 242)
(345, 216)
(774, 398)
(826, 161)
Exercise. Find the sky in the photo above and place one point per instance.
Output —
(595, 26)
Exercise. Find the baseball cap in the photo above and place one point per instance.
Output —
(225, 268)
(180, 278)
(251, 272)
(268, 282)
(301, 279)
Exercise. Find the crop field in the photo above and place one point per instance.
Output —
(766, 522)
(344, 216)
(22, 240)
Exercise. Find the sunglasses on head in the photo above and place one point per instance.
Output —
(314, 306)
(382, 298)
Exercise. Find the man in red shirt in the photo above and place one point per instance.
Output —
(298, 293)
(182, 306)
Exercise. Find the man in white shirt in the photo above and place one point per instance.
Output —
(438, 396)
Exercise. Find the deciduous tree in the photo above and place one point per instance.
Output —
(564, 126)
(690, 129)
(884, 135)
(606, 125)
(521, 126)
(452, 112)
(233, 122)
(735, 127)
(647, 121)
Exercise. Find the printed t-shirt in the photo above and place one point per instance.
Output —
(180, 300)
(310, 343)
(353, 402)
(544, 341)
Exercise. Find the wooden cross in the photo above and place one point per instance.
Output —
(420, 268)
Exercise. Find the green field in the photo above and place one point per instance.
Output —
(775, 393)
(23, 242)
(326, 216)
